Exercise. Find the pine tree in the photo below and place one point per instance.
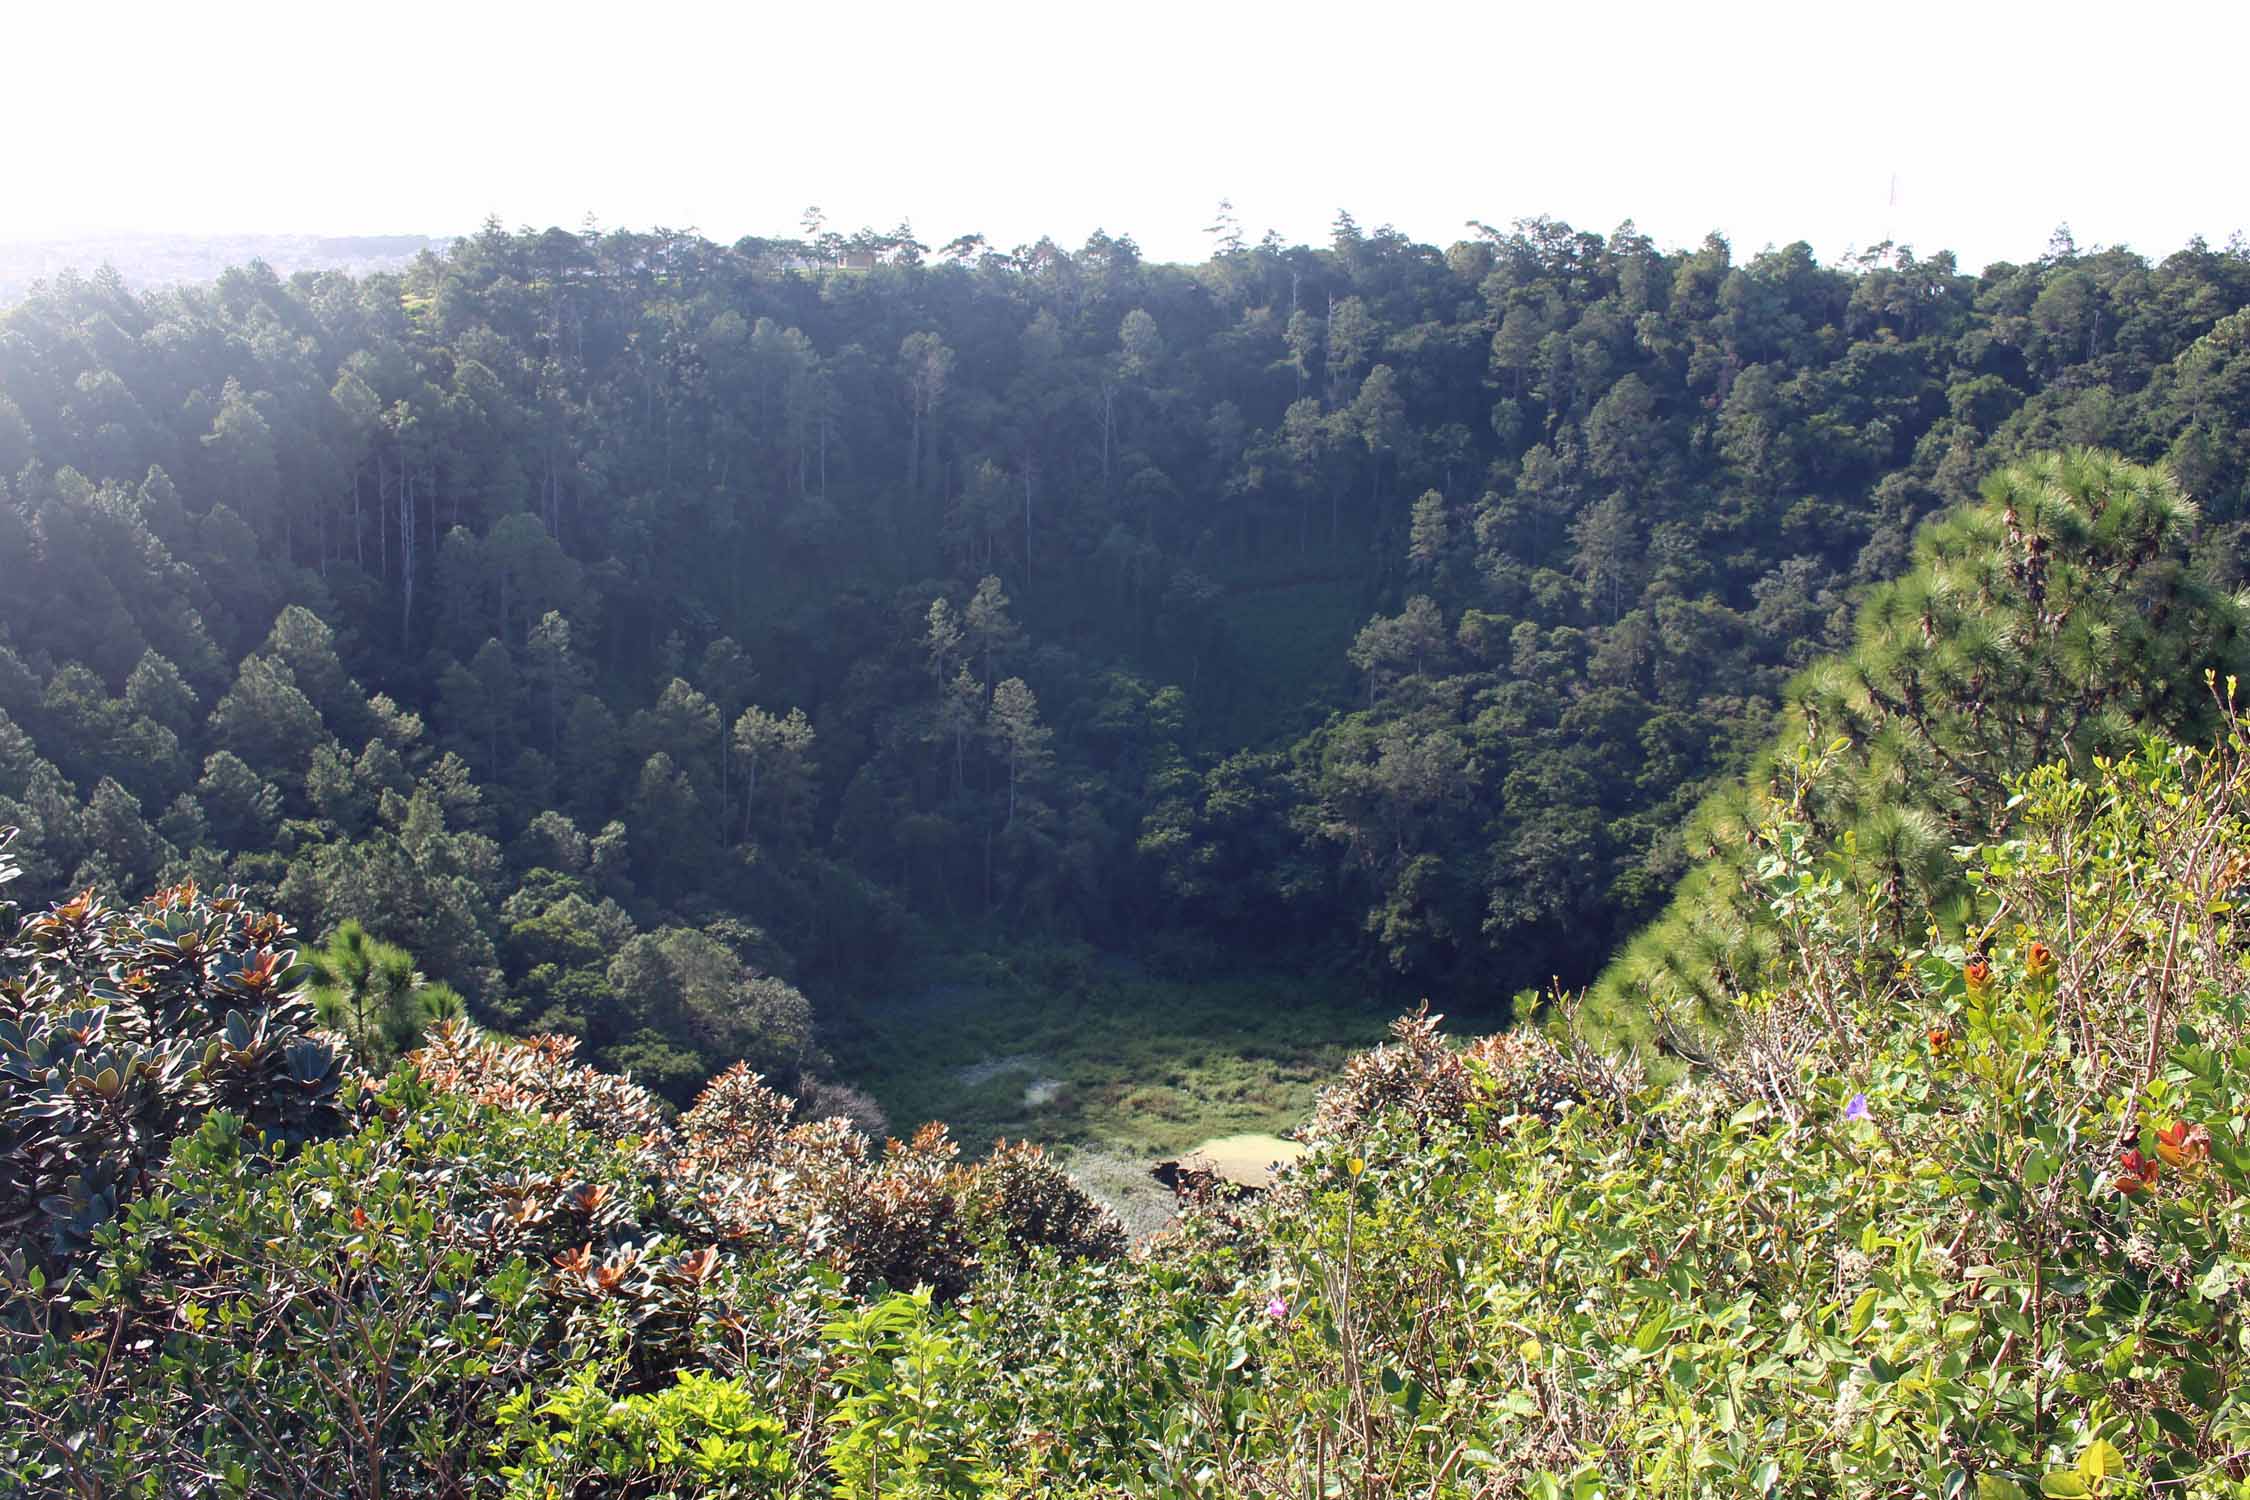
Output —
(1023, 740)
(2057, 619)
(370, 990)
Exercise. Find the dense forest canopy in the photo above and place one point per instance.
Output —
(645, 632)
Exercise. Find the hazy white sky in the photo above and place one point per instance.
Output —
(1769, 122)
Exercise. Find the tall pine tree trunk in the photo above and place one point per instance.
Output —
(914, 456)
(406, 555)
(382, 514)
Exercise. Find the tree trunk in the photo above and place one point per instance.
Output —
(382, 514)
(914, 455)
(406, 555)
(1109, 428)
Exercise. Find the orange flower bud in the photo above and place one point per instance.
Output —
(1940, 1038)
(1977, 974)
(2038, 962)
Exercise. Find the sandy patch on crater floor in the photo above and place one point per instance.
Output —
(1249, 1158)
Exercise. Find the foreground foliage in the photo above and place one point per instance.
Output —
(245, 1267)
(1968, 1219)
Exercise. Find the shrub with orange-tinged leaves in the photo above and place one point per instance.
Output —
(539, 1077)
(501, 1212)
(737, 1117)
(339, 1320)
(1423, 1078)
(906, 1227)
(912, 1214)
(817, 1192)
(1418, 1075)
(738, 1169)
(1527, 1073)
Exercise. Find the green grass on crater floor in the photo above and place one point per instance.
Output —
(1114, 1065)
(1063, 1046)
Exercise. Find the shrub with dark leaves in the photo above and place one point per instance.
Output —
(1018, 1198)
(825, 1099)
(120, 1028)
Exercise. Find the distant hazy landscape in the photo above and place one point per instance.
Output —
(157, 260)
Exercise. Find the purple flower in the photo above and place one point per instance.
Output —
(1857, 1109)
(1277, 1309)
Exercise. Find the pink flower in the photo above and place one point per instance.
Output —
(1277, 1309)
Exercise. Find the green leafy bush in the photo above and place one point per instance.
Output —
(1977, 1224)
(702, 1437)
(355, 1315)
(345, 1321)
